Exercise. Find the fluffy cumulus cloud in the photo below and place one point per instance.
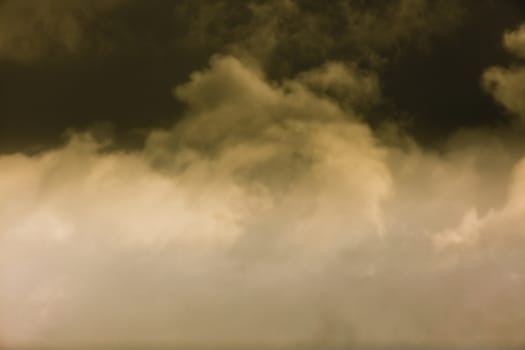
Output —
(271, 215)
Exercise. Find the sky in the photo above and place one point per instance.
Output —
(278, 174)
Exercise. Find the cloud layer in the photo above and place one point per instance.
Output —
(271, 215)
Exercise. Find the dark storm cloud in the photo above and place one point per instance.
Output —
(33, 30)
(73, 64)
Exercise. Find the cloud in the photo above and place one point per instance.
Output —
(350, 86)
(514, 41)
(227, 196)
(269, 216)
(31, 31)
(286, 37)
(507, 84)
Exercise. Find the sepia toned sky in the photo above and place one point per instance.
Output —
(262, 174)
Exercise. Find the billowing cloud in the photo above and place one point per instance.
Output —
(271, 215)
